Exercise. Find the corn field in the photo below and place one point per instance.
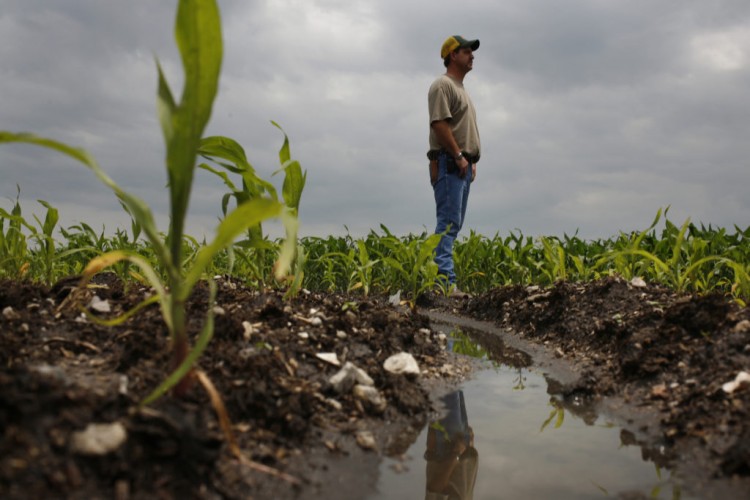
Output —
(687, 258)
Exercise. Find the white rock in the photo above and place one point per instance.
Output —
(345, 379)
(219, 311)
(329, 357)
(99, 305)
(122, 387)
(402, 362)
(742, 378)
(335, 404)
(361, 376)
(248, 330)
(366, 440)
(638, 282)
(395, 299)
(99, 439)
(10, 314)
(371, 396)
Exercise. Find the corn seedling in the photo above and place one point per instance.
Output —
(198, 35)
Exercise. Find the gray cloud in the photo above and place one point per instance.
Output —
(593, 114)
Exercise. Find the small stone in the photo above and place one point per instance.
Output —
(638, 282)
(329, 357)
(742, 327)
(345, 379)
(741, 381)
(334, 404)
(303, 335)
(219, 311)
(371, 396)
(99, 439)
(10, 314)
(99, 305)
(341, 334)
(659, 391)
(366, 440)
(401, 363)
(122, 387)
(248, 330)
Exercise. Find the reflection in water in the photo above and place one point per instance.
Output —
(452, 460)
(461, 343)
(557, 411)
(548, 445)
(520, 381)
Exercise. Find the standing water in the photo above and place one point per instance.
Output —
(501, 435)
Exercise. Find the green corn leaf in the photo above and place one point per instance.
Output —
(227, 149)
(246, 215)
(294, 180)
(198, 35)
(50, 219)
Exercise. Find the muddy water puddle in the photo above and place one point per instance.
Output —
(503, 435)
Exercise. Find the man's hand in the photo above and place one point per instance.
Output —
(433, 171)
(463, 166)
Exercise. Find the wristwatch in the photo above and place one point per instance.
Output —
(459, 155)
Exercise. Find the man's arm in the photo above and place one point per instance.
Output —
(445, 137)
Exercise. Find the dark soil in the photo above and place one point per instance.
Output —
(650, 348)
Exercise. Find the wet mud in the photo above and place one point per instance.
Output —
(659, 359)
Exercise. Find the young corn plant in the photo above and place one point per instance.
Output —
(45, 260)
(14, 249)
(198, 36)
(228, 154)
(553, 267)
(677, 265)
(414, 262)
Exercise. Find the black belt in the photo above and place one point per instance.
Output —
(433, 155)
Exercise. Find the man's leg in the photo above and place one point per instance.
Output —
(451, 192)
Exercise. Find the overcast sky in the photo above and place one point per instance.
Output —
(592, 113)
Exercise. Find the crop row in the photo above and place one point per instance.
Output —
(687, 257)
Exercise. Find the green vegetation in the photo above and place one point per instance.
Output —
(687, 258)
(175, 263)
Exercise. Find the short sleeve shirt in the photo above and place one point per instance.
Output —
(448, 100)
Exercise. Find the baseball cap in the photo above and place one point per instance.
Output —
(457, 42)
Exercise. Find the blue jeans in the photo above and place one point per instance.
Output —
(451, 198)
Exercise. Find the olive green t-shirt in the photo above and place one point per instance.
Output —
(448, 100)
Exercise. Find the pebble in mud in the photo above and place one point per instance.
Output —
(366, 440)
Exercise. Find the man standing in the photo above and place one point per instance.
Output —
(454, 148)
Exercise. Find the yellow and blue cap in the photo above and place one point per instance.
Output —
(457, 42)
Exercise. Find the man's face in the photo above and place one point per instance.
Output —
(464, 58)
